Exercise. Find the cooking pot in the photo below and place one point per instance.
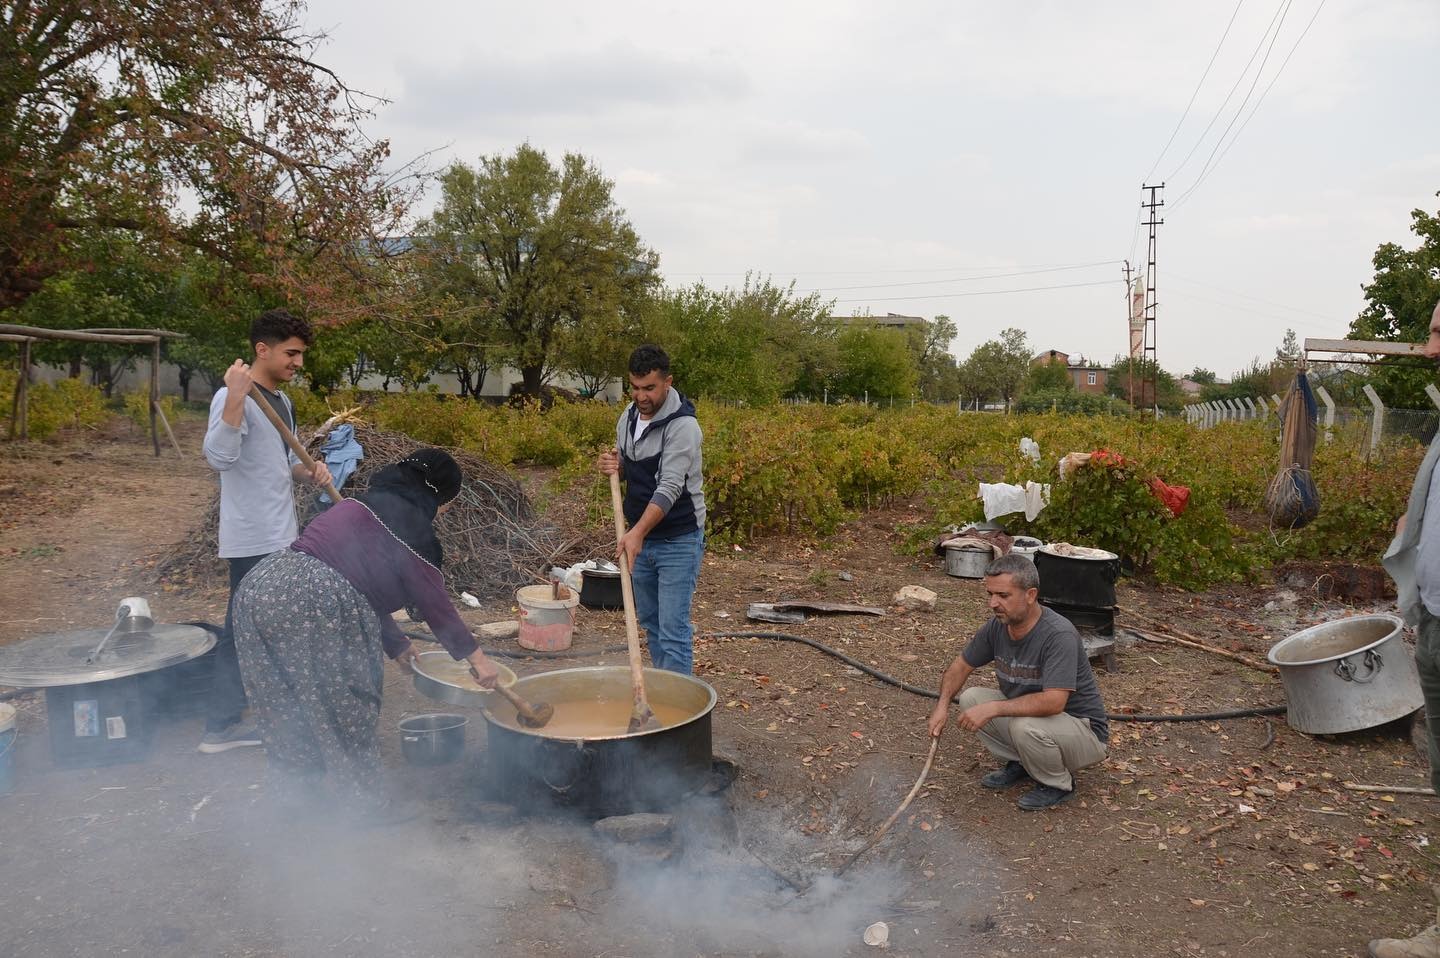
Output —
(966, 562)
(432, 739)
(1085, 579)
(1351, 674)
(600, 589)
(603, 775)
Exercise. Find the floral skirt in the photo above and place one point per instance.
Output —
(313, 666)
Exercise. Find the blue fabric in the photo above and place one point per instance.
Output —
(664, 579)
(341, 453)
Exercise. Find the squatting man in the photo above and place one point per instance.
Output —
(1047, 720)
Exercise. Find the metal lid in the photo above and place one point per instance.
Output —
(59, 659)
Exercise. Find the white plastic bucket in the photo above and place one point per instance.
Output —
(546, 624)
(1026, 547)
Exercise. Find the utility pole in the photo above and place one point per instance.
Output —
(1149, 386)
(1129, 317)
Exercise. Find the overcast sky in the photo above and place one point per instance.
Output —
(896, 155)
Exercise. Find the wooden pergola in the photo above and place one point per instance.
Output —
(26, 336)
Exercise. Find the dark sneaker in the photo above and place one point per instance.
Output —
(1044, 796)
(1005, 776)
(239, 735)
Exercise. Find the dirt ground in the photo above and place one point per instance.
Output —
(1201, 838)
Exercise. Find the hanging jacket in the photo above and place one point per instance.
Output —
(663, 467)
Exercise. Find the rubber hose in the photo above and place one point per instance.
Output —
(927, 693)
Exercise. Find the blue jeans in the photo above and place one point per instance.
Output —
(664, 577)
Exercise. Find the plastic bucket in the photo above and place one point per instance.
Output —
(1026, 547)
(8, 734)
(546, 624)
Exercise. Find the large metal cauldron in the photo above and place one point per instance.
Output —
(608, 775)
(1347, 675)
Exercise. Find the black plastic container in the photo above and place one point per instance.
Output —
(99, 723)
(1076, 582)
(600, 590)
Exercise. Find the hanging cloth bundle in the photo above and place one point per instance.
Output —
(1292, 499)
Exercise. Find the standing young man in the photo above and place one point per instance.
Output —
(257, 495)
(657, 453)
(1413, 561)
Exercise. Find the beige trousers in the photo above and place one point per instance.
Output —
(1050, 748)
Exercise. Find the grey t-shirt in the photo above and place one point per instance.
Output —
(1427, 560)
(1051, 656)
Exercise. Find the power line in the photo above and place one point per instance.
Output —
(1263, 93)
(961, 279)
(1193, 95)
(1253, 312)
(979, 292)
(1205, 170)
(1226, 102)
(1265, 302)
(868, 272)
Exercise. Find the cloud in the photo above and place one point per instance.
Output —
(564, 83)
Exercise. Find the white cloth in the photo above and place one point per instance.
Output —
(1004, 498)
(1029, 447)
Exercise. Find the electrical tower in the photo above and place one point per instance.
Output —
(1150, 369)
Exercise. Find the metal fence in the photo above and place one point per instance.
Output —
(1372, 427)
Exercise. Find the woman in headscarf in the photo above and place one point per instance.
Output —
(311, 622)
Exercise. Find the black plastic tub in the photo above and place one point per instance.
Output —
(1086, 583)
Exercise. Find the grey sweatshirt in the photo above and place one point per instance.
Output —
(674, 483)
(257, 492)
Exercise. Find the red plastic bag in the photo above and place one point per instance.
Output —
(1174, 498)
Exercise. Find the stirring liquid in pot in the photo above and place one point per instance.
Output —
(604, 717)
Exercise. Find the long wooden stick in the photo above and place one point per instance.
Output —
(895, 815)
(168, 431)
(289, 436)
(1189, 641)
(641, 713)
(1397, 789)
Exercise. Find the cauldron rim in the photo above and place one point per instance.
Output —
(539, 733)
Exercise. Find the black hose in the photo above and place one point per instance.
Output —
(927, 693)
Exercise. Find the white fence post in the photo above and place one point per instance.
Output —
(1377, 422)
(1433, 393)
(1275, 399)
(1264, 407)
(1234, 409)
(1250, 406)
(1329, 411)
(1212, 412)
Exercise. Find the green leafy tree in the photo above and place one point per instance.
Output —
(1202, 376)
(1400, 301)
(753, 344)
(534, 251)
(1000, 365)
(114, 108)
(1049, 376)
(1118, 382)
(874, 362)
(935, 365)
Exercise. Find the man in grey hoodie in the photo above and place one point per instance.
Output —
(1413, 561)
(657, 453)
(257, 495)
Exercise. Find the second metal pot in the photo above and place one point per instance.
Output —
(1350, 674)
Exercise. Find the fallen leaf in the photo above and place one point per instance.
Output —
(1310, 867)
(1198, 902)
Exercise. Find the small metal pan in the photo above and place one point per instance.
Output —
(439, 677)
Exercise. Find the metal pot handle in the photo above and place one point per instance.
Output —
(1373, 664)
(580, 767)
